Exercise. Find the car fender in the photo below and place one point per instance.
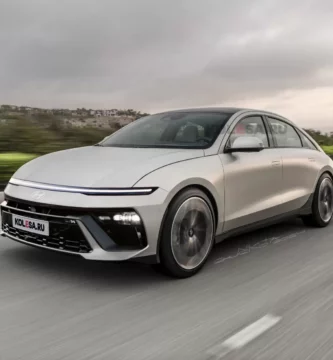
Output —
(206, 172)
(326, 169)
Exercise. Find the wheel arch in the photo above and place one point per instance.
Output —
(325, 170)
(328, 172)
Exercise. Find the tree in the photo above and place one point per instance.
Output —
(321, 139)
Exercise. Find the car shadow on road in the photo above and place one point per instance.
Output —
(259, 238)
(75, 269)
(124, 274)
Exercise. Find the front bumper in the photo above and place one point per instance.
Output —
(74, 224)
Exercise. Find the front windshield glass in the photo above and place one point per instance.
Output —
(192, 130)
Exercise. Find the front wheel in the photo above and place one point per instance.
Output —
(187, 234)
(322, 206)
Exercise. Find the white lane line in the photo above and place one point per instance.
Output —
(244, 336)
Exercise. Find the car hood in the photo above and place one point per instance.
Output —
(96, 166)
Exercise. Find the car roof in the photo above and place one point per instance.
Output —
(229, 110)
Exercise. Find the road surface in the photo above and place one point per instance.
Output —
(265, 295)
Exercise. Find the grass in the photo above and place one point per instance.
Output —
(14, 157)
(328, 149)
(10, 162)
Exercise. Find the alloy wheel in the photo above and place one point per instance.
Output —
(192, 233)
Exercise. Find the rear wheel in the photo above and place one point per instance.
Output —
(187, 234)
(322, 206)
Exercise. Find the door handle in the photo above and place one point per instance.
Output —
(312, 159)
(276, 163)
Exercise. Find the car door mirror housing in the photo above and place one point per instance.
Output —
(245, 144)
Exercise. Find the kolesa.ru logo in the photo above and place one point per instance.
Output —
(39, 227)
(30, 224)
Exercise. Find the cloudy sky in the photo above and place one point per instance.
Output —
(153, 55)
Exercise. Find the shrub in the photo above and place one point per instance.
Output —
(328, 150)
(10, 162)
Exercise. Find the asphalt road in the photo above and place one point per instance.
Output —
(61, 307)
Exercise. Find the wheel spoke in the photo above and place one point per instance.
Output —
(193, 218)
(200, 229)
(325, 192)
(325, 208)
(196, 244)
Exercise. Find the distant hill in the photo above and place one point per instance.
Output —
(102, 118)
(79, 112)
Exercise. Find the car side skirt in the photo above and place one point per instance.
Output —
(305, 210)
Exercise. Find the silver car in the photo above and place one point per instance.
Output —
(167, 187)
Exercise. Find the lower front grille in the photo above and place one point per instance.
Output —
(63, 236)
(116, 236)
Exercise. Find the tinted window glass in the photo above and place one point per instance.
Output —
(307, 143)
(195, 130)
(284, 134)
(250, 126)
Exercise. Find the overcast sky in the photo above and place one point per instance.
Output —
(153, 55)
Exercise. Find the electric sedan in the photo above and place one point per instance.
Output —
(167, 187)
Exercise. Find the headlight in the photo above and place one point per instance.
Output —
(125, 218)
(125, 227)
(131, 218)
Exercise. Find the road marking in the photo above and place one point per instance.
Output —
(244, 336)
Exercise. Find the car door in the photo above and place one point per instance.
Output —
(301, 163)
(253, 180)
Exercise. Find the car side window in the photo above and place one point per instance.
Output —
(306, 142)
(284, 134)
(250, 126)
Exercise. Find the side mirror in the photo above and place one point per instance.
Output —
(246, 144)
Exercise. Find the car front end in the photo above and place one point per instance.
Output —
(97, 224)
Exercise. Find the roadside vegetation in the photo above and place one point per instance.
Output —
(328, 150)
(10, 162)
(325, 140)
(21, 140)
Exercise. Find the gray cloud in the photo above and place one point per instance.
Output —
(156, 54)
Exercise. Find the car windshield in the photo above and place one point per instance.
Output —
(191, 130)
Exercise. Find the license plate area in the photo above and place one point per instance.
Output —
(35, 226)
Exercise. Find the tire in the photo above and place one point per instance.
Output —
(187, 235)
(322, 205)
